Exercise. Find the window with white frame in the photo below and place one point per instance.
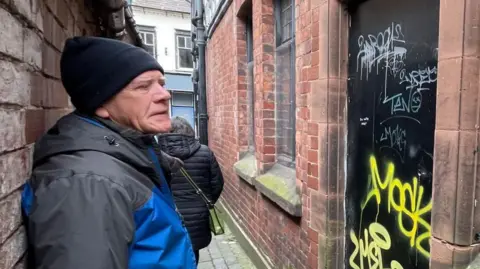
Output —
(184, 50)
(147, 33)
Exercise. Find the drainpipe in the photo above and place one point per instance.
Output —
(197, 21)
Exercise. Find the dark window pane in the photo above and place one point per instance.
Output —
(286, 33)
(251, 107)
(182, 99)
(151, 50)
(181, 42)
(285, 4)
(285, 100)
(149, 39)
(188, 43)
(286, 16)
(185, 58)
(249, 36)
(284, 23)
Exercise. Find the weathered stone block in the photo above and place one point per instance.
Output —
(15, 84)
(49, 56)
(48, 93)
(23, 7)
(34, 124)
(328, 252)
(452, 20)
(11, 35)
(11, 132)
(32, 11)
(32, 51)
(246, 168)
(467, 170)
(445, 173)
(22, 264)
(448, 94)
(38, 10)
(279, 185)
(14, 170)
(10, 215)
(13, 249)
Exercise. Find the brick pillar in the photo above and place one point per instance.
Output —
(264, 68)
(240, 64)
(455, 218)
(327, 123)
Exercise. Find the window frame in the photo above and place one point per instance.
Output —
(251, 100)
(282, 158)
(144, 30)
(173, 93)
(278, 10)
(187, 35)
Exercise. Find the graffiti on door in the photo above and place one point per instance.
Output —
(391, 110)
(403, 199)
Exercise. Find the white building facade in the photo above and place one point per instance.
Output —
(165, 27)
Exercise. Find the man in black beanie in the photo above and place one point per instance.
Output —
(99, 195)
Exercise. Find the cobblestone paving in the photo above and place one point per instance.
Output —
(224, 253)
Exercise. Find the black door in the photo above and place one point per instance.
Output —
(391, 121)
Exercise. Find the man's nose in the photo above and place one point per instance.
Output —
(161, 94)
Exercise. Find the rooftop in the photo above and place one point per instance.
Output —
(170, 5)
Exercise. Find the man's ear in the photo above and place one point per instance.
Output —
(102, 112)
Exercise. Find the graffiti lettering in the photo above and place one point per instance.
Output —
(371, 250)
(418, 78)
(398, 194)
(410, 103)
(411, 99)
(386, 46)
(395, 137)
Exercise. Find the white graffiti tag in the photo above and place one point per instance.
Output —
(418, 78)
(382, 50)
(415, 82)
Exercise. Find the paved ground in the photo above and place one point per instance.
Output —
(224, 253)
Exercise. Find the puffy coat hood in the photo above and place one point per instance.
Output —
(178, 145)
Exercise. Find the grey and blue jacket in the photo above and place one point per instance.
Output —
(99, 198)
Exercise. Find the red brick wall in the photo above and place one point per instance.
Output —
(32, 33)
(320, 90)
(316, 240)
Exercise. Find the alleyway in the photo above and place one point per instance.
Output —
(224, 253)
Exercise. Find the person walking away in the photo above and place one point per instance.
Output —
(200, 163)
(98, 196)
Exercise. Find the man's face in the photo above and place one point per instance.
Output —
(142, 105)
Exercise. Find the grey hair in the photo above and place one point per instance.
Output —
(181, 126)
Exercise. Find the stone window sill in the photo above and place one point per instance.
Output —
(246, 168)
(279, 185)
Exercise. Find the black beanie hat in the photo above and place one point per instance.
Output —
(94, 69)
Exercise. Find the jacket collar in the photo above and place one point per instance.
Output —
(143, 142)
(140, 140)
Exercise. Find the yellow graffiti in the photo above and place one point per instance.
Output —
(371, 251)
(407, 192)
